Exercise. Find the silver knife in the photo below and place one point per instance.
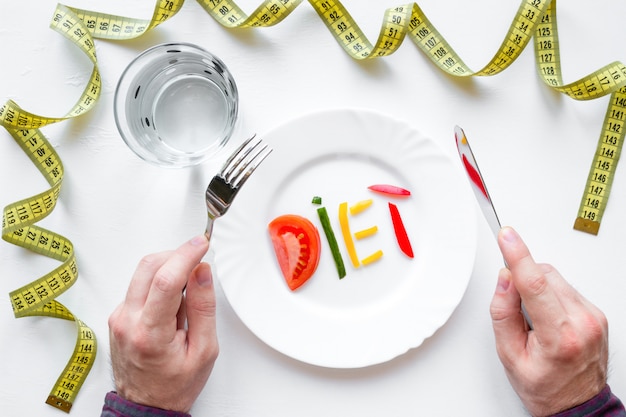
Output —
(480, 190)
(476, 180)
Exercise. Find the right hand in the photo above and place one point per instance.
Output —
(562, 361)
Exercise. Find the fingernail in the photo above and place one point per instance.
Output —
(503, 283)
(198, 240)
(205, 277)
(510, 235)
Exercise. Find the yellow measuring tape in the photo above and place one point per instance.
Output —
(534, 19)
(37, 298)
(18, 219)
(603, 167)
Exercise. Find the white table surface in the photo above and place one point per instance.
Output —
(534, 147)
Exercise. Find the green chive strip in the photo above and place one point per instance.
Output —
(332, 241)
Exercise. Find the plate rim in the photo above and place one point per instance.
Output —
(468, 267)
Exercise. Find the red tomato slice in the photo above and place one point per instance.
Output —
(297, 245)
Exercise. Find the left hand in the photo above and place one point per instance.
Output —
(164, 343)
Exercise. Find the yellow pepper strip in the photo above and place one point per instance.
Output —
(360, 206)
(372, 258)
(362, 234)
(347, 236)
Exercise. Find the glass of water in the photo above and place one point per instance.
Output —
(176, 105)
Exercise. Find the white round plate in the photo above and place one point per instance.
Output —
(376, 312)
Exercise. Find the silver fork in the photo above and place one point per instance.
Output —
(236, 170)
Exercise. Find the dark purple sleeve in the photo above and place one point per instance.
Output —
(116, 406)
(605, 404)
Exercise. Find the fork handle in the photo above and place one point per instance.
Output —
(209, 229)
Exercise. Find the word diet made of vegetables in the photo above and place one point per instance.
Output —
(297, 242)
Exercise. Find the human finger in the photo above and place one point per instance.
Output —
(165, 292)
(142, 278)
(536, 288)
(181, 314)
(508, 323)
(200, 307)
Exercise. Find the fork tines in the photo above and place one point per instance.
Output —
(244, 161)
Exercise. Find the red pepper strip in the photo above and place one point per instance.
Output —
(398, 228)
(475, 176)
(389, 190)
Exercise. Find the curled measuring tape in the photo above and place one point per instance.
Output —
(19, 219)
(19, 225)
(535, 19)
(38, 297)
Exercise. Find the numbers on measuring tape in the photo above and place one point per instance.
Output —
(106, 26)
(73, 376)
(38, 297)
(13, 117)
(230, 15)
(534, 20)
(601, 173)
(19, 219)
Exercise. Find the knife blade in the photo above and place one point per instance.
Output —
(476, 179)
(480, 191)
